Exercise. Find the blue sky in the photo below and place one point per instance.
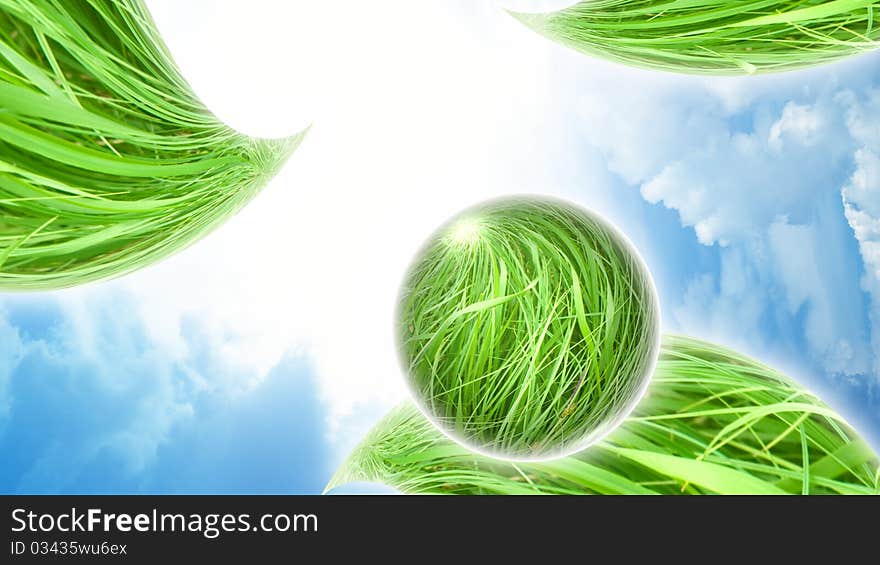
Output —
(96, 409)
(254, 360)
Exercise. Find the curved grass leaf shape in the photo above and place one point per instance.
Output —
(728, 37)
(713, 422)
(108, 161)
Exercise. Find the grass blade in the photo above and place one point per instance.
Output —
(711, 37)
(670, 445)
(108, 161)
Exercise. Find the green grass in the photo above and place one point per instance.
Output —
(730, 37)
(108, 161)
(713, 422)
(528, 327)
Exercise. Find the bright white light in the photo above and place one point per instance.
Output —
(415, 122)
(537, 6)
(465, 231)
(264, 67)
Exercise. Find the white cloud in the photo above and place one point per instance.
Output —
(710, 302)
(67, 389)
(799, 123)
(799, 264)
(10, 355)
(87, 404)
(755, 167)
(861, 197)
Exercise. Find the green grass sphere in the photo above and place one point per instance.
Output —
(528, 328)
